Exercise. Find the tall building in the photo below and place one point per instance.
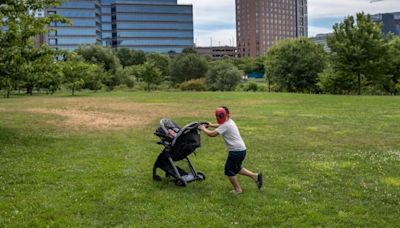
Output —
(261, 23)
(85, 27)
(156, 27)
(148, 25)
(390, 21)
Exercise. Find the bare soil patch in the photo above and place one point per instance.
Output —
(85, 114)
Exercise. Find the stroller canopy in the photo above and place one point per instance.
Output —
(186, 140)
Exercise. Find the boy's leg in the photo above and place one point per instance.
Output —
(235, 183)
(257, 177)
(246, 172)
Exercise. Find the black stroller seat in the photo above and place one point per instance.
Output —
(178, 144)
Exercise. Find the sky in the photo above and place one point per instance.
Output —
(214, 20)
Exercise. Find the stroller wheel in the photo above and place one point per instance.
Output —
(156, 178)
(201, 176)
(180, 182)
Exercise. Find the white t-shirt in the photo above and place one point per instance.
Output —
(232, 138)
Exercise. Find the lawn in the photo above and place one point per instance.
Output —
(87, 161)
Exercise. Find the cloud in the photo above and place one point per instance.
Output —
(318, 8)
(213, 19)
(215, 37)
(216, 18)
(313, 31)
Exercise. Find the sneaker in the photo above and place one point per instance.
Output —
(235, 192)
(259, 181)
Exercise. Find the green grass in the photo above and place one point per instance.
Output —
(327, 161)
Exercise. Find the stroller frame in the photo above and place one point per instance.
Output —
(165, 160)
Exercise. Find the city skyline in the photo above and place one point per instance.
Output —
(217, 27)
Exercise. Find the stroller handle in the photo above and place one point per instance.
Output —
(204, 123)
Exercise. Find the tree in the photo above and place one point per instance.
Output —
(293, 65)
(16, 40)
(335, 82)
(129, 74)
(94, 77)
(76, 71)
(248, 64)
(223, 76)
(160, 61)
(130, 57)
(394, 64)
(105, 57)
(44, 71)
(358, 50)
(100, 55)
(187, 66)
(189, 50)
(150, 74)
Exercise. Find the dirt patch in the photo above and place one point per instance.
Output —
(89, 114)
(95, 120)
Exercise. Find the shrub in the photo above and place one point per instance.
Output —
(193, 85)
(252, 86)
(223, 76)
(186, 67)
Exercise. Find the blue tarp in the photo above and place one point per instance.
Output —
(255, 75)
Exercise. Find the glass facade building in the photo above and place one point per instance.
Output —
(148, 25)
(390, 22)
(84, 27)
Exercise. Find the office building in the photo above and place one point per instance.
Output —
(390, 22)
(85, 27)
(152, 27)
(322, 39)
(217, 52)
(261, 23)
(148, 25)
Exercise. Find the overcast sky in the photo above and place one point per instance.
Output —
(214, 20)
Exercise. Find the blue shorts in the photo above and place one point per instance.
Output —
(234, 162)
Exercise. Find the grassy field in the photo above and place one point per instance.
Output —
(87, 161)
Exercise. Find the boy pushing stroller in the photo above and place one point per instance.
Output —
(236, 148)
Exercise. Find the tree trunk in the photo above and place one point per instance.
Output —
(8, 93)
(359, 83)
(29, 90)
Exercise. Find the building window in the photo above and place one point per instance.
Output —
(52, 41)
(53, 33)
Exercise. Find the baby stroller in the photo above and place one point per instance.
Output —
(178, 144)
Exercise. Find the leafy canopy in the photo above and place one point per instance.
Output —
(358, 50)
(293, 65)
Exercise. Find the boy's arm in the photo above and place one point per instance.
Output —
(213, 125)
(208, 132)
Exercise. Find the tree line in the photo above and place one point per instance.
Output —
(26, 67)
(361, 60)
